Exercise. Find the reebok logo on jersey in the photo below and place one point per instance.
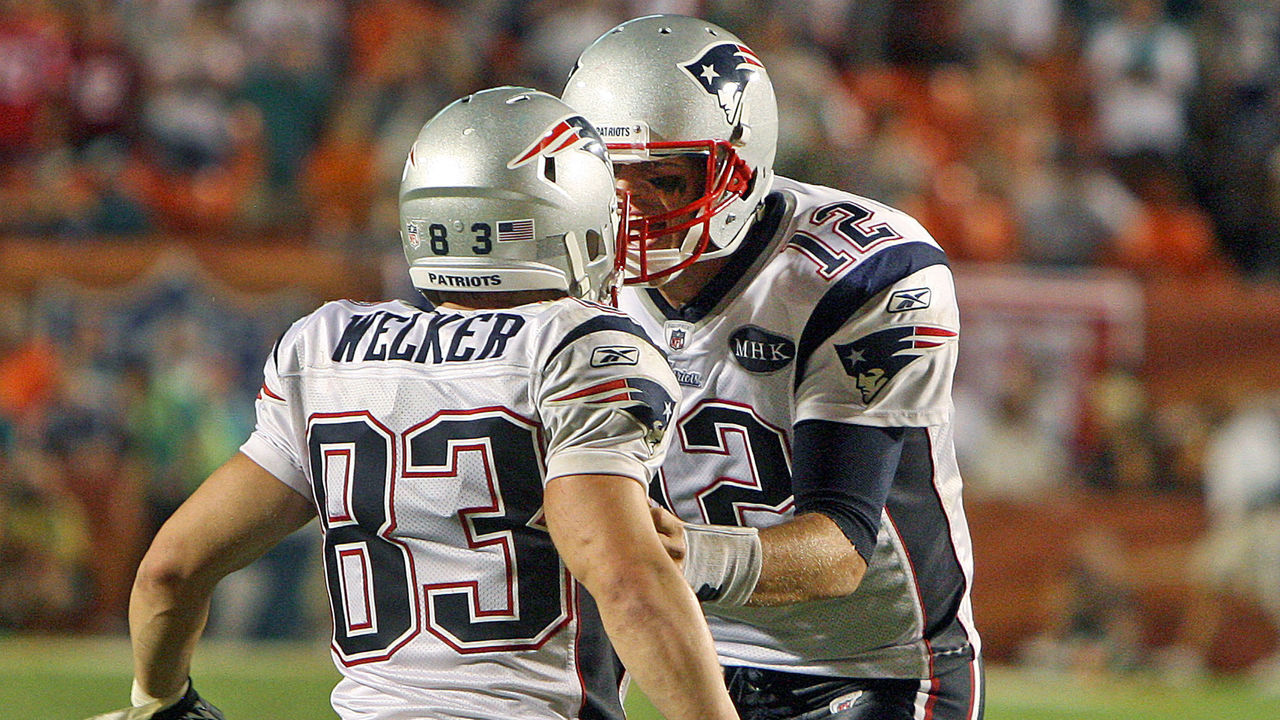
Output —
(760, 351)
(904, 300)
(615, 355)
(873, 360)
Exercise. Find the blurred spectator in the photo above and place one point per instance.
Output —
(106, 83)
(189, 423)
(1013, 454)
(1144, 67)
(338, 181)
(1236, 135)
(1095, 623)
(1182, 428)
(28, 368)
(1167, 235)
(1240, 556)
(108, 193)
(820, 124)
(557, 33)
(192, 74)
(1122, 450)
(1060, 225)
(218, 193)
(35, 64)
(45, 549)
(291, 88)
(1027, 28)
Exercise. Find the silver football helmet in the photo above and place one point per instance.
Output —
(510, 189)
(669, 84)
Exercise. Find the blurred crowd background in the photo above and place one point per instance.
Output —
(1076, 158)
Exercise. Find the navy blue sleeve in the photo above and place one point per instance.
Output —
(844, 472)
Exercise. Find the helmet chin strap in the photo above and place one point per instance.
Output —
(578, 277)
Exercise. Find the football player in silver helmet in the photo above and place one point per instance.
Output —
(479, 471)
(820, 513)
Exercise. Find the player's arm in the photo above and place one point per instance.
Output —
(600, 525)
(235, 516)
(883, 371)
(841, 479)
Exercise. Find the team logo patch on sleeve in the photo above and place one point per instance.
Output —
(875, 359)
(645, 400)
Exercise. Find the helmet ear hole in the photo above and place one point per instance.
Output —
(595, 245)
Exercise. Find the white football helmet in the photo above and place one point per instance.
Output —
(510, 189)
(669, 84)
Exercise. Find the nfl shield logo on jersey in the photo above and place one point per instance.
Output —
(677, 333)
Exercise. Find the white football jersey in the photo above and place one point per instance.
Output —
(836, 308)
(425, 440)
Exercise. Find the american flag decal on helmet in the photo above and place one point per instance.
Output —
(571, 133)
(513, 230)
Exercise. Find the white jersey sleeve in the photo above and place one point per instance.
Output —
(273, 444)
(606, 396)
(891, 364)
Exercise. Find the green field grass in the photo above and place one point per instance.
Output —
(71, 679)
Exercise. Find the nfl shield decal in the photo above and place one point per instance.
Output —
(678, 334)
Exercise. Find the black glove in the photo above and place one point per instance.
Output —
(190, 707)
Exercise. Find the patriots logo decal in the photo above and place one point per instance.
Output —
(645, 400)
(873, 360)
(724, 70)
(571, 133)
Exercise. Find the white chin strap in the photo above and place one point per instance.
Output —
(659, 260)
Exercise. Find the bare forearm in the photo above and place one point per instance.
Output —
(649, 616)
(236, 515)
(601, 527)
(164, 626)
(806, 558)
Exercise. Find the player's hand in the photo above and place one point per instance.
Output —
(190, 707)
(671, 532)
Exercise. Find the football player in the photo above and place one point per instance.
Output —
(473, 467)
(814, 332)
